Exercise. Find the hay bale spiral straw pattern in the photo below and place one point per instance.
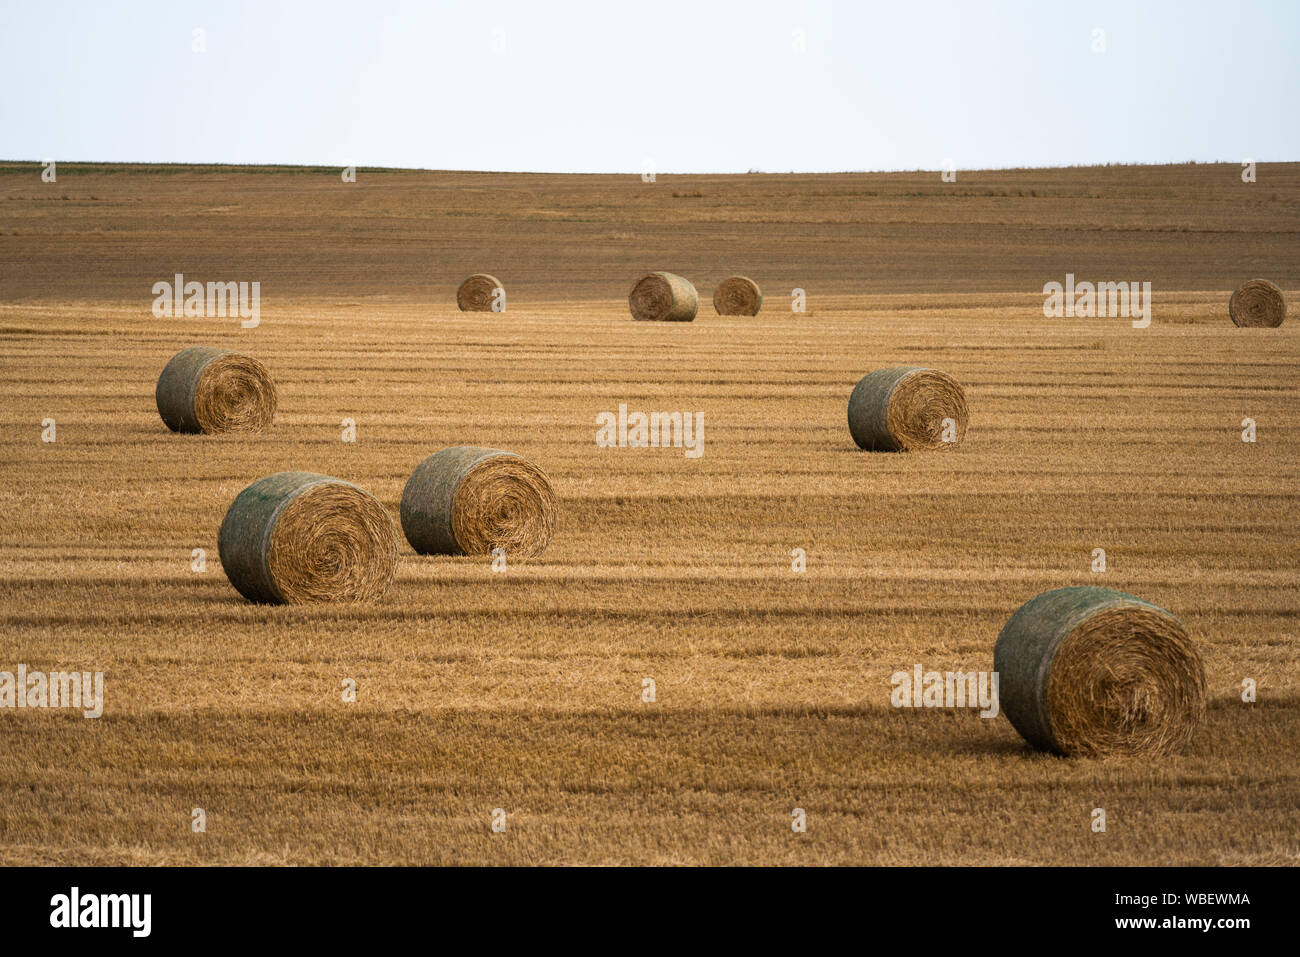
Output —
(663, 297)
(467, 500)
(202, 389)
(298, 537)
(1257, 302)
(737, 296)
(902, 409)
(478, 292)
(1094, 671)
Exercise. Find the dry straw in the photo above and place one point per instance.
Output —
(477, 293)
(903, 409)
(663, 297)
(737, 296)
(1093, 671)
(297, 537)
(1257, 302)
(467, 500)
(213, 390)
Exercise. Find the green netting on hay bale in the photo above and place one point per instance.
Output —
(299, 537)
(903, 409)
(468, 500)
(663, 297)
(202, 389)
(1088, 670)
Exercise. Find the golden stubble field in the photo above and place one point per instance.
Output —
(523, 690)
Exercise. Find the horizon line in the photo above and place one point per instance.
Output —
(637, 173)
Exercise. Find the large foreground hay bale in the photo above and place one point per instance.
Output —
(663, 297)
(1089, 670)
(902, 409)
(737, 296)
(214, 390)
(297, 537)
(478, 292)
(467, 500)
(1257, 302)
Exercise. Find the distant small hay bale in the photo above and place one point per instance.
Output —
(467, 500)
(1091, 671)
(903, 409)
(214, 390)
(479, 292)
(663, 297)
(1257, 302)
(737, 296)
(298, 537)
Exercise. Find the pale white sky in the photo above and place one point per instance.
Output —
(690, 86)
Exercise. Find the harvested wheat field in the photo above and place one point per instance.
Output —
(525, 689)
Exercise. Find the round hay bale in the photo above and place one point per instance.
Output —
(467, 500)
(1257, 302)
(478, 292)
(663, 297)
(1094, 671)
(298, 537)
(737, 296)
(214, 390)
(902, 410)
